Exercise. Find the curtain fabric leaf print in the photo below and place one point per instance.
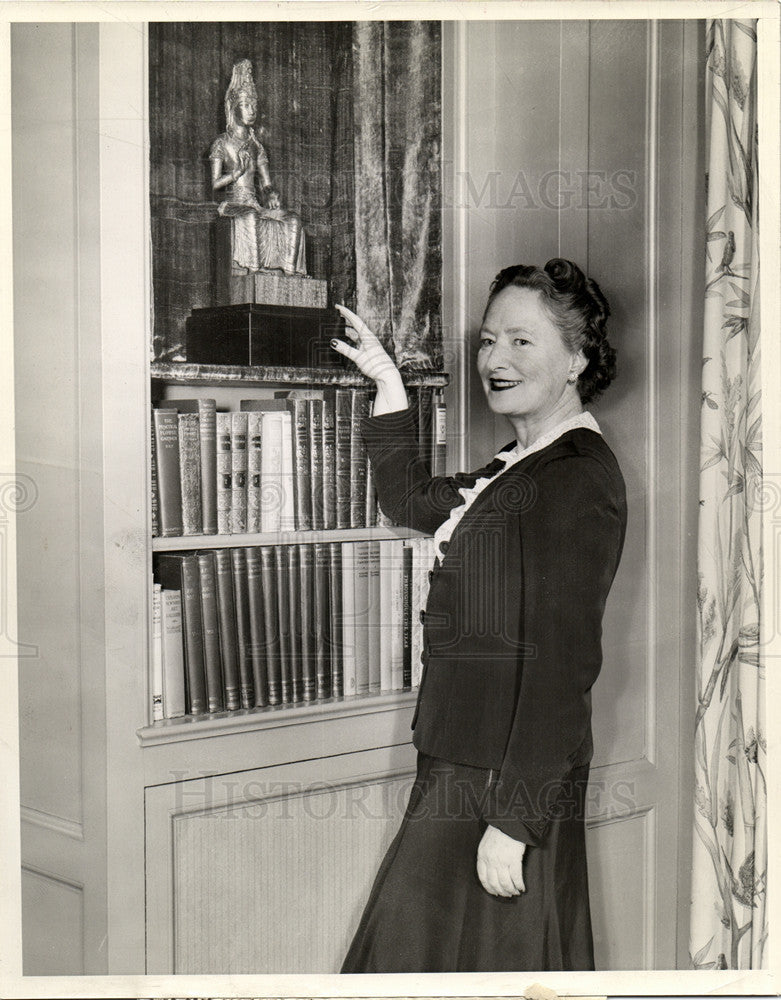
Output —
(728, 919)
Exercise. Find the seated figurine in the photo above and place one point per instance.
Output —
(264, 237)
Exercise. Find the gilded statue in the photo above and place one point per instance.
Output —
(265, 237)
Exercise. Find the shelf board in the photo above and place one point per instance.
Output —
(188, 542)
(190, 373)
(193, 727)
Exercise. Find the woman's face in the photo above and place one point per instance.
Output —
(523, 361)
(246, 111)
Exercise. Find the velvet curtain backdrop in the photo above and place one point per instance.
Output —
(303, 75)
(397, 186)
(728, 918)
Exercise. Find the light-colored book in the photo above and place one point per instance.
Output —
(374, 616)
(254, 469)
(173, 654)
(361, 610)
(157, 654)
(349, 678)
(277, 510)
(223, 473)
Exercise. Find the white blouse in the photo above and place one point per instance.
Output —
(509, 457)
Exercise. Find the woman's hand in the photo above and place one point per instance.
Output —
(500, 863)
(374, 361)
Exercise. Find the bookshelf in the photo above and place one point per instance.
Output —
(263, 656)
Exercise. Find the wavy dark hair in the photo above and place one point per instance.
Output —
(577, 306)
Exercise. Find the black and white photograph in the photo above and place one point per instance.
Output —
(391, 492)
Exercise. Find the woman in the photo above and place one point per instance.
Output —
(262, 238)
(488, 870)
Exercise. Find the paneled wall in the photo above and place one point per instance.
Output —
(58, 447)
(583, 140)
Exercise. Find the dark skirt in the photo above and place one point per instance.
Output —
(428, 912)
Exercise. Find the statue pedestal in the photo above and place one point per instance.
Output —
(266, 335)
(233, 287)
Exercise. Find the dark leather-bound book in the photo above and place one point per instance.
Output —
(179, 571)
(283, 616)
(358, 460)
(207, 429)
(294, 610)
(425, 402)
(317, 460)
(257, 626)
(329, 458)
(305, 603)
(226, 608)
(271, 611)
(190, 473)
(169, 486)
(406, 621)
(302, 470)
(342, 424)
(439, 436)
(243, 636)
(322, 620)
(335, 608)
(212, 653)
(154, 507)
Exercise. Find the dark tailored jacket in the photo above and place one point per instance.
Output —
(513, 622)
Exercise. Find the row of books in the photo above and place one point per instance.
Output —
(250, 627)
(294, 462)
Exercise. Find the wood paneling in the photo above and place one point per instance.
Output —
(268, 870)
(58, 906)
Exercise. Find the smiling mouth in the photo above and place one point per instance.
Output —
(499, 384)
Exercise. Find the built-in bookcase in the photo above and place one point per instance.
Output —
(228, 385)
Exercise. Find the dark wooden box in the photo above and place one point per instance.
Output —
(253, 334)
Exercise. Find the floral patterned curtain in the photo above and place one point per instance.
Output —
(728, 918)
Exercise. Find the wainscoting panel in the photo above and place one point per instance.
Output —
(268, 870)
(58, 906)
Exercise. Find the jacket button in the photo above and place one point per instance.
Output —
(422, 617)
(444, 546)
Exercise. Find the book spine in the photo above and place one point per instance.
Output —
(302, 488)
(336, 649)
(168, 480)
(190, 473)
(254, 469)
(315, 411)
(425, 423)
(306, 603)
(226, 607)
(155, 496)
(243, 635)
(207, 415)
(343, 422)
(397, 616)
(440, 435)
(349, 682)
(418, 569)
(294, 609)
(173, 655)
(283, 615)
(360, 409)
(238, 473)
(329, 460)
(271, 612)
(322, 621)
(287, 515)
(157, 653)
(361, 607)
(406, 620)
(272, 497)
(193, 636)
(386, 613)
(374, 616)
(223, 426)
(257, 624)
(211, 633)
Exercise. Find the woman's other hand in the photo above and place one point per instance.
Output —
(374, 361)
(500, 863)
